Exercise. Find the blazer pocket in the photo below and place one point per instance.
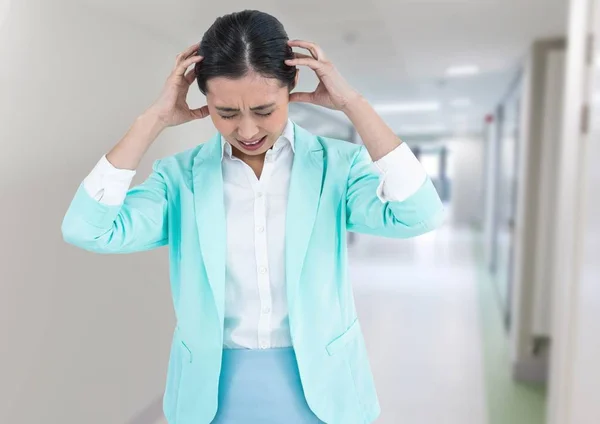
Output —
(346, 337)
(187, 353)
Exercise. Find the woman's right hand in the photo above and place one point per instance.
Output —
(171, 107)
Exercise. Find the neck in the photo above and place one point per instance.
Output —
(256, 162)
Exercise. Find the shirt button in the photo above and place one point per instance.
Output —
(262, 270)
(266, 310)
(260, 228)
(259, 194)
(264, 345)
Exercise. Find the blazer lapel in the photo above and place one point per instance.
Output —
(210, 216)
(303, 201)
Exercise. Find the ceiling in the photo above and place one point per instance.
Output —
(390, 50)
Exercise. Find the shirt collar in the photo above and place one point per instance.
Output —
(287, 137)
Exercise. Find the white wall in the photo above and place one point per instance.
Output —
(575, 378)
(84, 338)
(510, 137)
(536, 206)
(586, 340)
(491, 151)
(466, 155)
(586, 372)
(546, 196)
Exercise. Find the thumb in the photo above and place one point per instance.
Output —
(302, 97)
(200, 113)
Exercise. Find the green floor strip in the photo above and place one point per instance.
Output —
(508, 402)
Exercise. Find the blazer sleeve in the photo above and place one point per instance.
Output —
(368, 213)
(138, 224)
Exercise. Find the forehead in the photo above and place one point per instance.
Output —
(248, 91)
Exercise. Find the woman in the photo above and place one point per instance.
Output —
(256, 221)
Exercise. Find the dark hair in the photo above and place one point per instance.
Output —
(243, 42)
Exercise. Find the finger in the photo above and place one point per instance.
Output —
(306, 61)
(302, 56)
(190, 76)
(182, 67)
(313, 48)
(187, 53)
(200, 113)
(302, 97)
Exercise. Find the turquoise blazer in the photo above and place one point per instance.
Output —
(332, 191)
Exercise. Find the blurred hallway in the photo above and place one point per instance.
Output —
(417, 302)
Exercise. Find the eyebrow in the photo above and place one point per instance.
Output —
(231, 109)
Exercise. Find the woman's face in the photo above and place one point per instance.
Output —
(250, 112)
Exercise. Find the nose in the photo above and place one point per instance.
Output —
(247, 129)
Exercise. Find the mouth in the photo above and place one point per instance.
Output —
(253, 144)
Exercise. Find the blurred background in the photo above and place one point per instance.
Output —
(492, 319)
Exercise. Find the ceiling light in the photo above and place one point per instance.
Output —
(463, 70)
(408, 107)
(461, 102)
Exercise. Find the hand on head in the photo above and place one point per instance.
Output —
(171, 107)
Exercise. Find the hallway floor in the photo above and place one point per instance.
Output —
(418, 305)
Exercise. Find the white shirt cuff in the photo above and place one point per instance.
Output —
(401, 175)
(107, 184)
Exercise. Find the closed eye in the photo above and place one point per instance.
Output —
(262, 115)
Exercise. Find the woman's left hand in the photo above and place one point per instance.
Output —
(333, 91)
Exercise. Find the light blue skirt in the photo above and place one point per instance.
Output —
(262, 387)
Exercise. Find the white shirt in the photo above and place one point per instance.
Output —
(256, 314)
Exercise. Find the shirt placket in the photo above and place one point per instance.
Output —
(261, 252)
